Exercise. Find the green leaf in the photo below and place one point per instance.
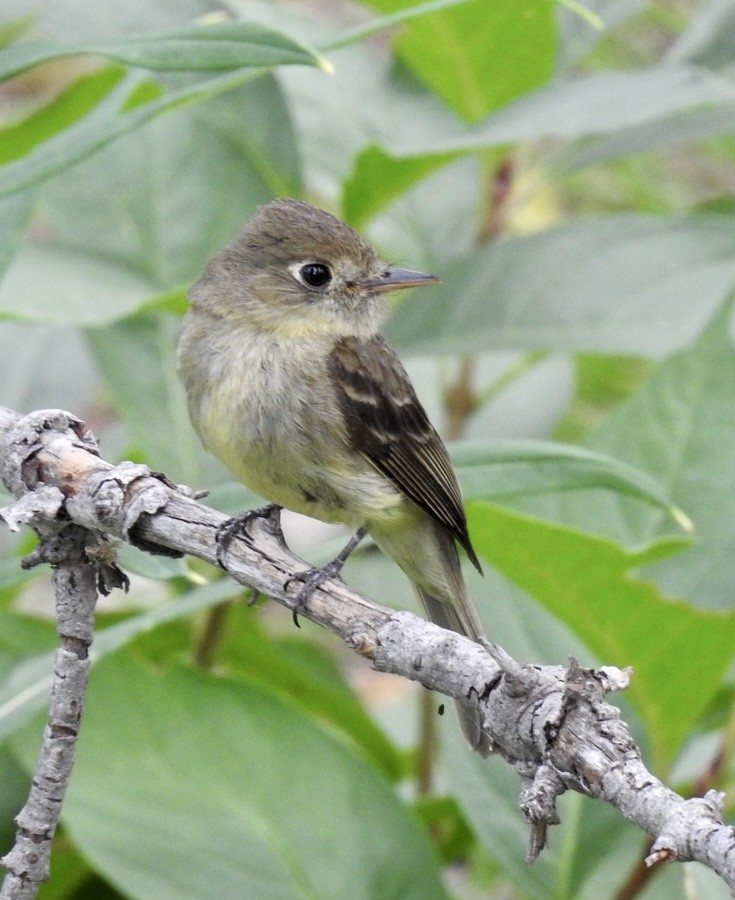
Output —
(14, 215)
(12, 29)
(619, 284)
(31, 358)
(269, 145)
(577, 35)
(378, 178)
(15, 784)
(512, 468)
(375, 26)
(215, 46)
(12, 577)
(306, 676)
(678, 654)
(72, 104)
(22, 635)
(99, 262)
(25, 688)
(153, 221)
(443, 818)
(696, 124)
(601, 385)
(475, 55)
(47, 284)
(163, 757)
(680, 428)
(52, 138)
(296, 672)
(134, 356)
(366, 102)
(570, 108)
(710, 37)
(124, 108)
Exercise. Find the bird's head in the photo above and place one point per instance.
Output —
(296, 270)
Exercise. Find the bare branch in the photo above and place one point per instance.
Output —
(551, 724)
(81, 565)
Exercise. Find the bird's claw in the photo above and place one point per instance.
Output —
(314, 578)
(239, 524)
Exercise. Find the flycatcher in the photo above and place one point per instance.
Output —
(292, 387)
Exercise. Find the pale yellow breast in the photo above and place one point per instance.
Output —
(266, 409)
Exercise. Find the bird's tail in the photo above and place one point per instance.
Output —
(456, 612)
(431, 561)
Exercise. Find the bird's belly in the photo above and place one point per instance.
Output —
(288, 448)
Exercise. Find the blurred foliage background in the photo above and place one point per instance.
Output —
(569, 173)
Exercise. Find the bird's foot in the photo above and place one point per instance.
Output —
(239, 524)
(313, 578)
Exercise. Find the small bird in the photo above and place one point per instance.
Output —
(290, 384)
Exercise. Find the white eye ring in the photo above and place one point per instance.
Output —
(311, 274)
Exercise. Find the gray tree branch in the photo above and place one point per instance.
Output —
(550, 723)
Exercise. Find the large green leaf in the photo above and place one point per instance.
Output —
(153, 220)
(513, 468)
(133, 356)
(130, 103)
(48, 284)
(367, 101)
(104, 105)
(475, 55)
(305, 675)
(184, 787)
(26, 683)
(681, 429)
(644, 109)
(570, 108)
(31, 358)
(619, 284)
(679, 654)
(293, 669)
(135, 101)
(214, 46)
(96, 263)
(698, 124)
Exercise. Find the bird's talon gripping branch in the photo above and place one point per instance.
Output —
(314, 578)
(238, 525)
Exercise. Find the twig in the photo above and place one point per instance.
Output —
(214, 629)
(82, 568)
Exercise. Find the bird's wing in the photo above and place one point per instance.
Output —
(386, 422)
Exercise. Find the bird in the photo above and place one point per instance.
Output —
(290, 384)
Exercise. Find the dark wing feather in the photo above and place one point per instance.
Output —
(386, 422)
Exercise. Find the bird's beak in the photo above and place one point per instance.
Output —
(391, 279)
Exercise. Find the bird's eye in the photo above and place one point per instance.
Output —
(315, 274)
